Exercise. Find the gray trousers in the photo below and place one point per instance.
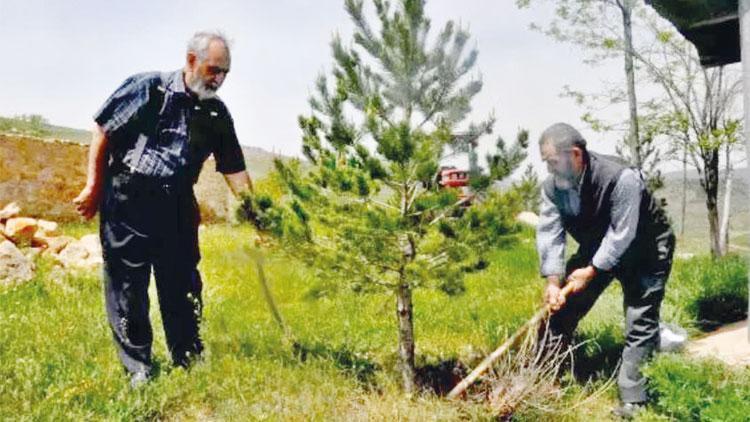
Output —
(643, 291)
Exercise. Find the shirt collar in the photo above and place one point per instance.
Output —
(176, 82)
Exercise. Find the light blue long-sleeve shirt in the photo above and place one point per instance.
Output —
(550, 235)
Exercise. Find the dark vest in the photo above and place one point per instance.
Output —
(653, 241)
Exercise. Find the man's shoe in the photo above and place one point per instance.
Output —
(139, 379)
(628, 410)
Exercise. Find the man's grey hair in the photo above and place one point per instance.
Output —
(200, 41)
(562, 136)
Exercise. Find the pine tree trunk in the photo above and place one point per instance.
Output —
(404, 308)
(406, 337)
(724, 230)
(634, 140)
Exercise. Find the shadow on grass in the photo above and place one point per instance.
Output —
(598, 355)
(713, 290)
(352, 362)
(440, 378)
(716, 310)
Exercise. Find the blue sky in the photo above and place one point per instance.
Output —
(63, 58)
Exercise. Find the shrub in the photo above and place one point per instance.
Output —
(704, 390)
(711, 292)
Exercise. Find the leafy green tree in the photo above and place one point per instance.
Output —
(693, 110)
(604, 28)
(368, 212)
(697, 111)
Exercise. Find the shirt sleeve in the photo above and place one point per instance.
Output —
(626, 203)
(228, 153)
(550, 239)
(123, 105)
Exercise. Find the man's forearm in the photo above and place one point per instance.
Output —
(550, 239)
(97, 160)
(239, 182)
(87, 202)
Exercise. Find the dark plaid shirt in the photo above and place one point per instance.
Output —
(157, 128)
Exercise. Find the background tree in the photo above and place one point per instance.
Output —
(698, 108)
(367, 212)
(604, 29)
(691, 113)
(731, 133)
(529, 190)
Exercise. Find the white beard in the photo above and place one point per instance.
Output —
(566, 178)
(200, 89)
(564, 183)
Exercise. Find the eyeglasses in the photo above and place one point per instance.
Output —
(216, 70)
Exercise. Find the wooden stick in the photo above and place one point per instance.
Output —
(269, 297)
(257, 257)
(539, 316)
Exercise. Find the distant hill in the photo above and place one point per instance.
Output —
(696, 221)
(36, 126)
(259, 161)
(672, 190)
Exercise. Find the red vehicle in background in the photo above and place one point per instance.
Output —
(451, 177)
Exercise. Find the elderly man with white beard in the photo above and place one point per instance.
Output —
(150, 141)
(622, 233)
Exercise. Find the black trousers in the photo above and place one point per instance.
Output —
(151, 225)
(643, 292)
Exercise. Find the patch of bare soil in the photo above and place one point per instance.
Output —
(729, 344)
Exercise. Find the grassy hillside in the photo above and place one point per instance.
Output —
(38, 127)
(58, 362)
(259, 161)
(64, 368)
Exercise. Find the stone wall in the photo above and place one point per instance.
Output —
(44, 176)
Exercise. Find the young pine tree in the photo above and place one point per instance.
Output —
(368, 211)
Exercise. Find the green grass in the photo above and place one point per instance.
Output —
(57, 361)
(706, 293)
(80, 228)
(704, 390)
